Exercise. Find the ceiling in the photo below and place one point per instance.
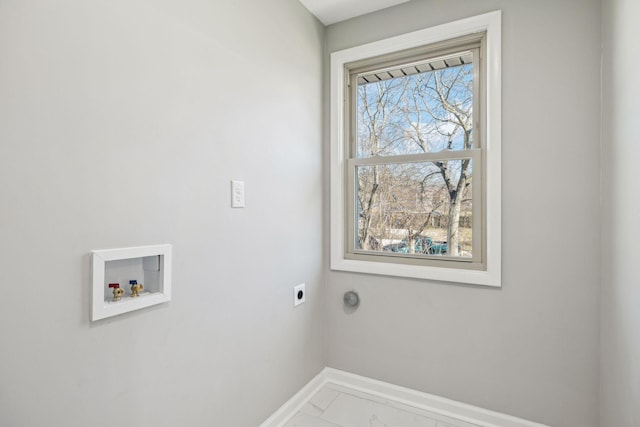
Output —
(332, 11)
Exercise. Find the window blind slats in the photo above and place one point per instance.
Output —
(419, 67)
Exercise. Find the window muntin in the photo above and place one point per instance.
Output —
(412, 149)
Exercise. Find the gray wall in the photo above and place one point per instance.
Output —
(529, 349)
(620, 368)
(121, 124)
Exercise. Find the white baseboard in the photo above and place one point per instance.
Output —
(293, 405)
(413, 398)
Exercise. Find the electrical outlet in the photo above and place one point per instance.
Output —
(299, 294)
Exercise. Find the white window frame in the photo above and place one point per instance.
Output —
(490, 23)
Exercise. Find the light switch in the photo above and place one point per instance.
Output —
(237, 194)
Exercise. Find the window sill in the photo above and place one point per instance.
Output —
(488, 277)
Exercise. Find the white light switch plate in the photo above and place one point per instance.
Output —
(237, 194)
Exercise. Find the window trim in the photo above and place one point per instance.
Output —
(491, 275)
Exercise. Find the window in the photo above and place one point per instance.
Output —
(415, 152)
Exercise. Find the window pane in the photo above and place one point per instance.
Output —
(410, 209)
(418, 113)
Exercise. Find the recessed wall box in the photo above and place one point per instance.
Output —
(148, 267)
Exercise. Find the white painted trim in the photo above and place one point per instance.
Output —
(416, 399)
(489, 22)
(293, 405)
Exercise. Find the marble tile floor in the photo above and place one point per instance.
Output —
(337, 406)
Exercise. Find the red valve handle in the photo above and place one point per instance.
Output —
(114, 285)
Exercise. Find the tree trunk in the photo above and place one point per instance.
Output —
(453, 235)
(412, 242)
(367, 213)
